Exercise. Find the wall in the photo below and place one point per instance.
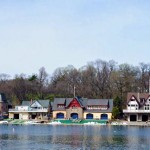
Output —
(24, 116)
(77, 110)
(55, 113)
(11, 115)
(97, 115)
(133, 107)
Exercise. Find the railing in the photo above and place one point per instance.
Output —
(29, 110)
(135, 111)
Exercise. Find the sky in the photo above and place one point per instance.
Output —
(58, 33)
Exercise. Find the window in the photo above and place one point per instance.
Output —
(60, 106)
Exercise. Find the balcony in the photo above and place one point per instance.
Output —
(135, 111)
(29, 110)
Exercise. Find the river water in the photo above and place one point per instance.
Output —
(76, 137)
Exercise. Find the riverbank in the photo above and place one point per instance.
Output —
(73, 122)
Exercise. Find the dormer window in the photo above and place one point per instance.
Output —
(60, 106)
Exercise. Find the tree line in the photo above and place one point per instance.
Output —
(97, 79)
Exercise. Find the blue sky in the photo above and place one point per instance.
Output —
(58, 33)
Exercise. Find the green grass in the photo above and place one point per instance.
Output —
(16, 121)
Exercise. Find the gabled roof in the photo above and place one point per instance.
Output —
(148, 97)
(68, 101)
(134, 98)
(140, 95)
(80, 101)
(43, 103)
(36, 103)
(84, 103)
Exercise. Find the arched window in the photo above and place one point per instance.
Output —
(104, 116)
(74, 116)
(60, 115)
(89, 116)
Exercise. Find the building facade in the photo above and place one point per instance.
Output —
(137, 107)
(79, 108)
(37, 109)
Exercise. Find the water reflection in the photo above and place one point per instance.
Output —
(45, 137)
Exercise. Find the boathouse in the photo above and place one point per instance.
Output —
(137, 107)
(36, 109)
(81, 108)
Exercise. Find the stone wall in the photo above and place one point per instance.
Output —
(56, 112)
(77, 110)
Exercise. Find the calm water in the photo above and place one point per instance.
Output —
(47, 137)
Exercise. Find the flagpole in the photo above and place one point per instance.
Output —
(74, 91)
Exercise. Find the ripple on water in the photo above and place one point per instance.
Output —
(73, 137)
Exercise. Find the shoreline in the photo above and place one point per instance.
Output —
(89, 123)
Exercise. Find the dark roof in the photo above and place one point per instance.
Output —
(84, 103)
(68, 101)
(44, 103)
(3, 97)
(103, 102)
(140, 98)
(58, 101)
(26, 103)
(140, 95)
(97, 102)
(81, 102)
